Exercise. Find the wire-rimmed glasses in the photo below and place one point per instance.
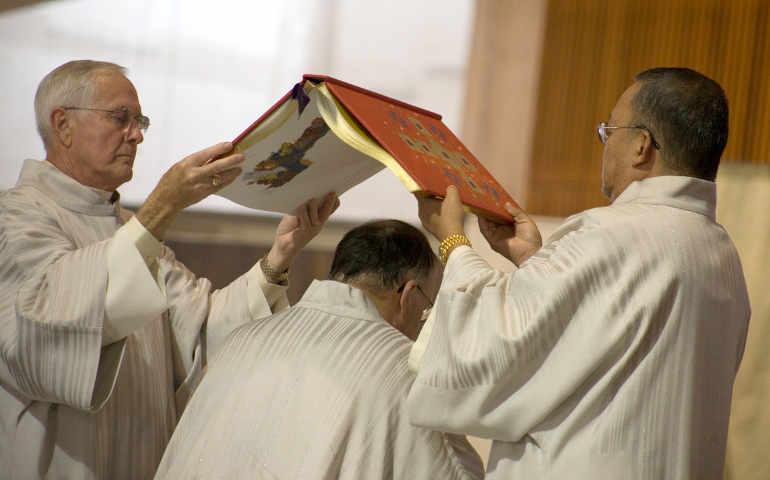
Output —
(602, 128)
(121, 116)
(426, 311)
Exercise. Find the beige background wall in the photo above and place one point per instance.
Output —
(744, 197)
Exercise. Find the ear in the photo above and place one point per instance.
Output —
(405, 317)
(61, 126)
(406, 293)
(404, 308)
(644, 150)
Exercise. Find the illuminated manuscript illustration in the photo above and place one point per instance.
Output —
(289, 161)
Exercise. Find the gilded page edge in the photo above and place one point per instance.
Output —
(347, 128)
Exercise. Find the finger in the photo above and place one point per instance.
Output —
(484, 224)
(481, 222)
(489, 228)
(488, 225)
(207, 154)
(519, 215)
(330, 204)
(428, 209)
(221, 164)
(427, 205)
(302, 216)
(493, 222)
(337, 203)
(312, 210)
(452, 193)
(452, 203)
(450, 216)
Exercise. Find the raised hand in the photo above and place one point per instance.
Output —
(297, 229)
(515, 241)
(442, 218)
(186, 183)
(198, 175)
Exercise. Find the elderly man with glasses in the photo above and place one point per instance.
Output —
(318, 391)
(103, 333)
(611, 351)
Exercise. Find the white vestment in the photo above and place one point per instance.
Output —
(317, 391)
(609, 354)
(69, 406)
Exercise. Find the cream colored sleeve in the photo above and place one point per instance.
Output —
(418, 349)
(259, 290)
(134, 294)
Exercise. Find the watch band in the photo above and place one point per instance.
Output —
(449, 243)
(271, 274)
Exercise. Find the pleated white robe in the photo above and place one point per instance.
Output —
(317, 391)
(609, 354)
(70, 408)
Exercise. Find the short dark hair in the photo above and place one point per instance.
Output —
(689, 112)
(381, 254)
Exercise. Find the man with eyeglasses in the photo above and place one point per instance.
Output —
(103, 333)
(610, 353)
(318, 391)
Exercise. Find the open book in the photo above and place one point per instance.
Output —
(327, 135)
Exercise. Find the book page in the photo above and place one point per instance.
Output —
(291, 157)
(349, 130)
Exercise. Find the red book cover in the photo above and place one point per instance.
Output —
(424, 146)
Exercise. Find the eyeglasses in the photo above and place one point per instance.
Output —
(425, 311)
(122, 117)
(604, 134)
(430, 302)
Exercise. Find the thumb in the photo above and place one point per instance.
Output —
(452, 202)
(518, 214)
(526, 229)
(452, 195)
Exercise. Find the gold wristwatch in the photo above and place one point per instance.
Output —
(449, 243)
(271, 274)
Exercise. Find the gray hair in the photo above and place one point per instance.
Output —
(68, 84)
